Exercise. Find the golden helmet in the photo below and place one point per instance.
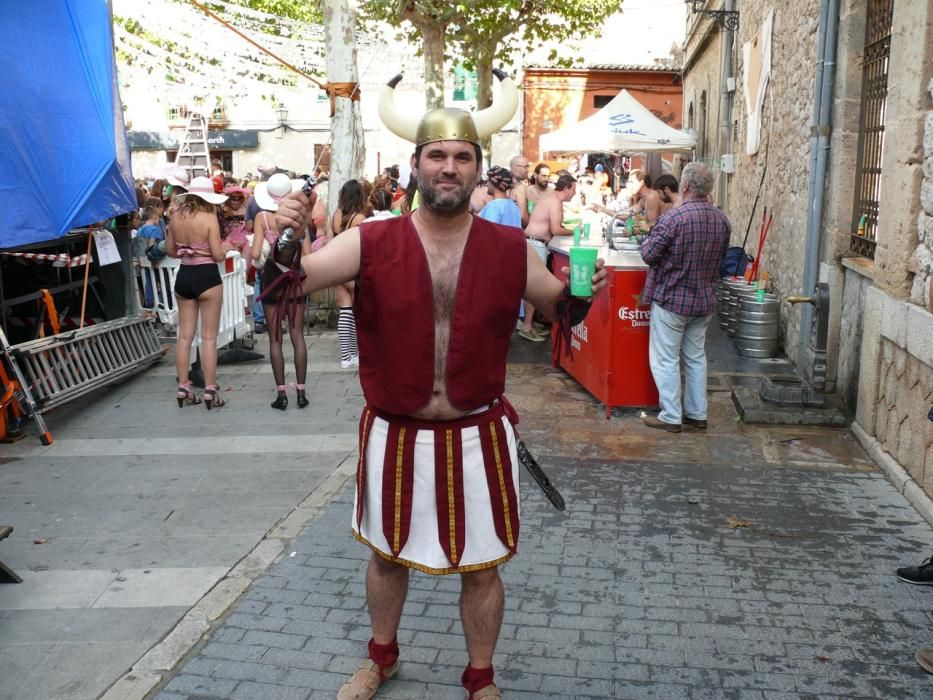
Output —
(447, 123)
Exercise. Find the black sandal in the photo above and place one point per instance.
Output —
(300, 394)
(212, 398)
(281, 402)
(185, 395)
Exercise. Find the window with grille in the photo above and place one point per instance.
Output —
(871, 127)
(177, 113)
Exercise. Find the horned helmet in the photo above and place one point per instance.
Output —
(448, 123)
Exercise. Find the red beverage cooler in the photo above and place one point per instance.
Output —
(610, 347)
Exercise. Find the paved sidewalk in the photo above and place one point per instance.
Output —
(642, 589)
(140, 508)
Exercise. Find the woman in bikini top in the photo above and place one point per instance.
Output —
(194, 237)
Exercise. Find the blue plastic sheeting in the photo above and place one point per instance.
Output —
(64, 160)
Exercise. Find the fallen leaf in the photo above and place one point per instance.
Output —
(735, 522)
(40, 540)
(824, 659)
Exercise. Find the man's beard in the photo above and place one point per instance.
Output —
(541, 185)
(447, 202)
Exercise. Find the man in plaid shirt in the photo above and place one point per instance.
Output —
(684, 252)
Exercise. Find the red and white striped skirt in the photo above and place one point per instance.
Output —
(439, 497)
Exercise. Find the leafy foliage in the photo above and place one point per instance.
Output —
(508, 28)
(301, 10)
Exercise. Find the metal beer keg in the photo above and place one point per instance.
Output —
(757, 326)
(729, 308)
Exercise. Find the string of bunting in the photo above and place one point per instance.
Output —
(334, 90)
(57, 259)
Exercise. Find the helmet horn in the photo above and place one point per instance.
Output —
(498, 114)
(400, 125)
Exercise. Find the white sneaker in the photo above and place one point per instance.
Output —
(352, 362)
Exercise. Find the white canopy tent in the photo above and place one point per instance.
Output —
(623, 125)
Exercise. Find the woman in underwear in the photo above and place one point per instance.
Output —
(351, 211)
(194, 237)
(291, 308)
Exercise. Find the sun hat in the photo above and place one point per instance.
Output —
(178, 177)
(234, 189)
(203, 187)
(267, 194)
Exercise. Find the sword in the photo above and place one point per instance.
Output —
(531, 464)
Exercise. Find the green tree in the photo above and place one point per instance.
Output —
(500, 30)
(432, 21)
(301, 10)
(484, 31)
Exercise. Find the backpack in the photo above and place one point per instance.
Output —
(734, 262)
(156, 252)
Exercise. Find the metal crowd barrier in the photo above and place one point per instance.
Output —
(160, 279)
(62, 367)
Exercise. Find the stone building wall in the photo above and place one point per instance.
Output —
(785, 145)
(922, 288)
(896, 384)
(703, 49)
(855, 289)
(905, 393)
(785, 139)
(896, 381)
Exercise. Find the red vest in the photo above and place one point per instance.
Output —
(394, 312)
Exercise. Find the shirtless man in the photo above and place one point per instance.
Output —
(667, 188)
(541, 183)
(646, 198)
(545, 222)
(433, 391)
(519, 167)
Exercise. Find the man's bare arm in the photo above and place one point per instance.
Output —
(556, 218)
(335, 263)
(521, 199)
(652, 209)
(542, 289)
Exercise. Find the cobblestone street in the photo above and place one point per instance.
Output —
(642, 589)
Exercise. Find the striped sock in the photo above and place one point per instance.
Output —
(346, 334)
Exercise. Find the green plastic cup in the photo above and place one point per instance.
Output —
(582, 269)
(576, 235)
(586, 230)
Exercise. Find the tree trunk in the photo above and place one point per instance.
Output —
(433, 46)
(483, 61)
(347, 147)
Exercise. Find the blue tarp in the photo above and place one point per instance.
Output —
(64, 160)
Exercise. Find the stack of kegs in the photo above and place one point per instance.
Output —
(751, 318)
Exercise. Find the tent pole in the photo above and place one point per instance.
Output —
(87, 270)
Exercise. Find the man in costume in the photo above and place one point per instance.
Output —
(437, 486)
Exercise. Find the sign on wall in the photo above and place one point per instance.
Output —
(170, 140)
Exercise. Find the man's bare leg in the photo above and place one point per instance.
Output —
(482, 600)
(386, 588)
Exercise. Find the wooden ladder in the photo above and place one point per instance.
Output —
(193, 153)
